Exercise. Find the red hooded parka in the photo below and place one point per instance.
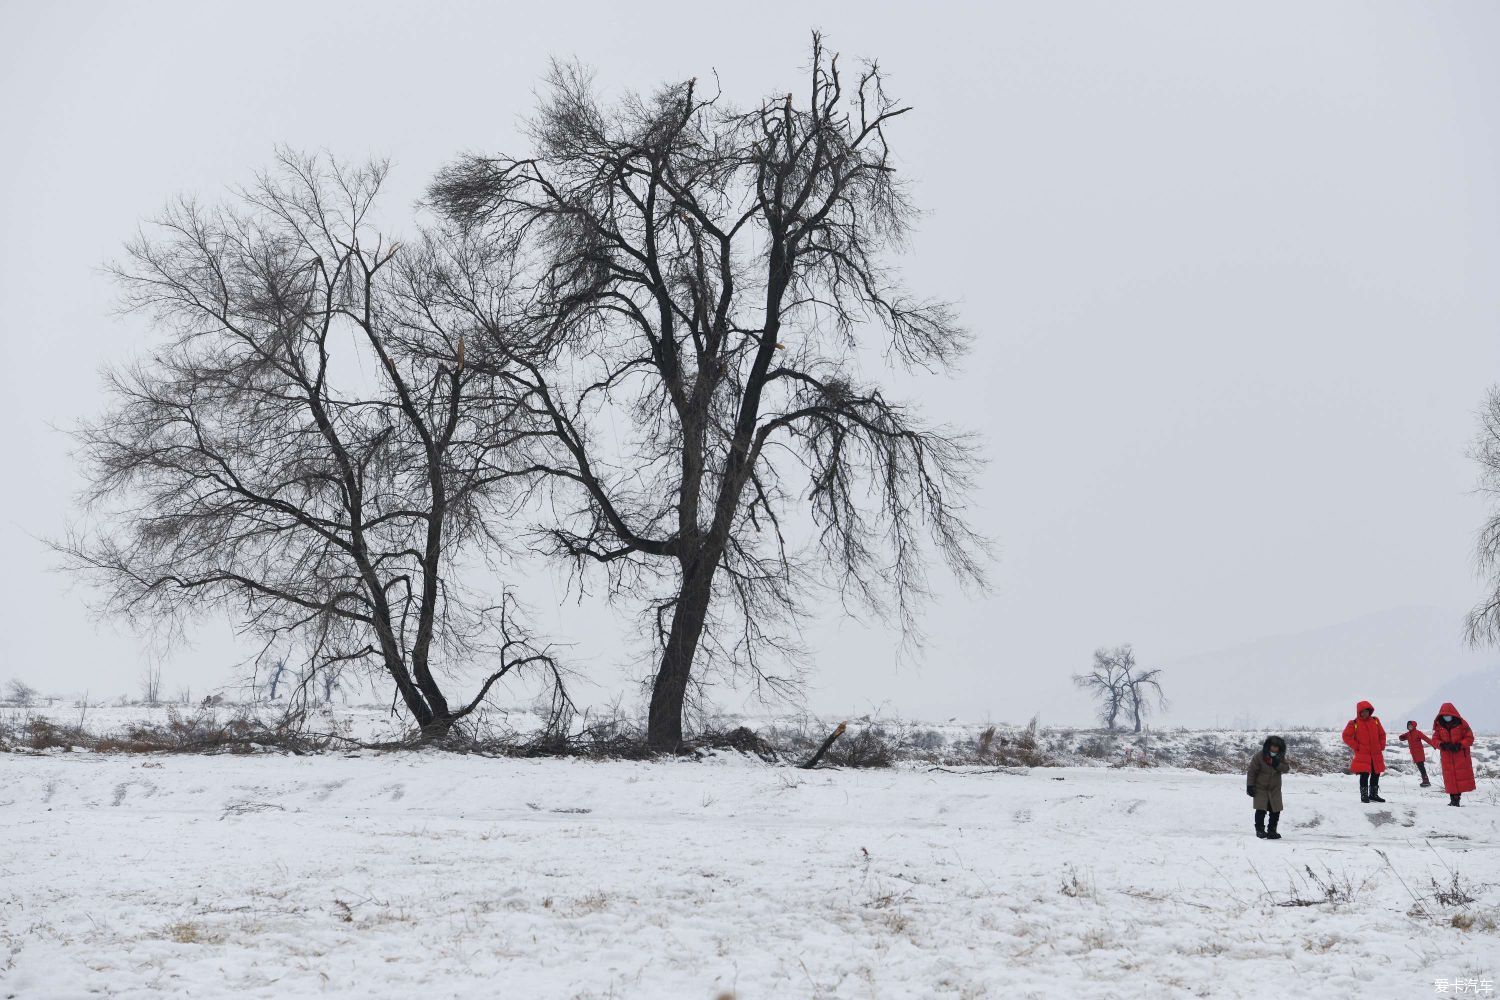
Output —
(1366, 737)
(1458, 768)
(1414, 738)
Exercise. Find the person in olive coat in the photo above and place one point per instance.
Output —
(1263, 784)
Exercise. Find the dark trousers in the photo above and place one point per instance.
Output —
(1260, 820)
(1422, 766)
(1369, 784)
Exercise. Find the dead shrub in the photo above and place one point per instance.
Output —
(871, 746)
(608, 736)
(740, 739)
(994, 747)
(927, 740)
(1457, 891)
(199, 732)
(985, 739)
(1327, 886)
(1098, 747)
(37, 733)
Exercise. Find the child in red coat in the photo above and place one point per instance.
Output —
(1414, 738)
(1366, 737)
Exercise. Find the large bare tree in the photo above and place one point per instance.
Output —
(713, 283)
(1484, 620)
(302, 451)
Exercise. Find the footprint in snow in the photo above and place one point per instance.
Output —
(123, 788)
(571, 810)
(329, 788)
(245, 808)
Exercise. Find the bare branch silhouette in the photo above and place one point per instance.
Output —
(709, 283)
(304, 450)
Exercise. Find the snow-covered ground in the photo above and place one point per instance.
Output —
(435, 875)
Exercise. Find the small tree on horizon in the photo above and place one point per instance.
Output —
(151, 685)
(1117, 682)
(1144, 691)
(18, 692)
(1107, 682)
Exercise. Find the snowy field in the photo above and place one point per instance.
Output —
(435, 875)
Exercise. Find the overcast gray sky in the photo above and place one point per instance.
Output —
(1233, 280)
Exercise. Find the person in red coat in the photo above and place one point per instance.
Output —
(1414, 738)
(1452, 735)
(1366, 737)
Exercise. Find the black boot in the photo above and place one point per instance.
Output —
(1364, 788)
(1271, 833)
(1375, 788)
(1260, 823)
(1422, 766)
(1453, 798)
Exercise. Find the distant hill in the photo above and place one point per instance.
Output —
(1394, 659)
(1476, 696)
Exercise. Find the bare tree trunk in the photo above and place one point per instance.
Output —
(669, 691)
(433, 723)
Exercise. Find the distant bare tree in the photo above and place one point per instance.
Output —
(328, 682)
(274, 676)
(710, 281)
(318, 682)
(18, 692)
(1119, 685)
(1108, 682)
(1145, 692)
(300, 451)
(151, 685)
